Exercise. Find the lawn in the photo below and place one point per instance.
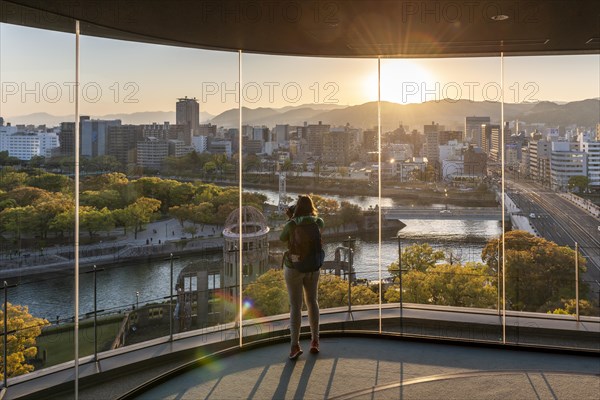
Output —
(58, 342)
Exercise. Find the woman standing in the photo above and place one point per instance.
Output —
(297, 282)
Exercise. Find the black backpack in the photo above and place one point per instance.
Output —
(306, 249)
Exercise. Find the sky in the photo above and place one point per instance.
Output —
(37, 71)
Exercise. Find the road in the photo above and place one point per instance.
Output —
(562, 222)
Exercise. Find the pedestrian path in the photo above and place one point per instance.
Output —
(158, 238)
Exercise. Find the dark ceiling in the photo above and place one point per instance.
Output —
(339, 28)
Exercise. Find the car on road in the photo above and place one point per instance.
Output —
(532, 215)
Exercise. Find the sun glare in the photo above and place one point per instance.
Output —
(402, 81)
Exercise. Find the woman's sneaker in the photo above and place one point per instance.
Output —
(314, 346)
(295, 352)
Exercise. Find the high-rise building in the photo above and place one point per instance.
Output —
(281, 134)
(207, 130)
(314, 135)
(431, 148)
(187, 113)
(566, 161)
(66, 136)
(338, 147)
(122, 141)
(496, 141)
(539, 161)
(151, 153)
(592, 150)
(486, 137)
(472, 132)
(94, 136)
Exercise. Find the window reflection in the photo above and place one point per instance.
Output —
(154, 188)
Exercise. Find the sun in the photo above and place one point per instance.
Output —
(402, 81)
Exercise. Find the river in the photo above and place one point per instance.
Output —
(51, 296)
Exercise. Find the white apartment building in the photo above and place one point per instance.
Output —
(200, 143)
(152, 152)
(451, 158)
(592, 151)
(566, 161)
(5, 133)
(25, 145)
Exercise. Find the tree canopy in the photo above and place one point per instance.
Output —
(538, 272)
(23, 329)
(268, 294)
(449, 285)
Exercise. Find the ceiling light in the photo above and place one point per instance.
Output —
(499, 17)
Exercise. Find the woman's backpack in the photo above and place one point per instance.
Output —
(306, 249)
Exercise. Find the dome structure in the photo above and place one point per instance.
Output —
(255, 250)
(253, 223)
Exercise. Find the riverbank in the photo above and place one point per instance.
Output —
(128, 250)
(415, 193)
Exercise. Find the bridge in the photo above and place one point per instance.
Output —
(470, 213)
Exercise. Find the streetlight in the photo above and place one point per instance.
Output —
(446, 197)
(137, 299)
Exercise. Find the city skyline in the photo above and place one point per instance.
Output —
(122, 77)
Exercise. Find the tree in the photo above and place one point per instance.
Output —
(333, 292)
(350, 213)
(181, 214)
(10, 179)
(182, 194)
(27, 195)
(326, 206)
(269, 294)
(23, 329)
(18, 220)
(191, 229)
(63, 222)
(113, 180)
(362, 295)
(93, 220)
(579, 182)
(418, 257)
(159, 189)
(210, 167)
(141, 212)
(46, 209)
(125, 218)
(99, 199)
(570, 307)
(287, 165)
(51, 182)
(539, 273)
(444, 284)
(203, 213)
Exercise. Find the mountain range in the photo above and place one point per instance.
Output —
(449, 113)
